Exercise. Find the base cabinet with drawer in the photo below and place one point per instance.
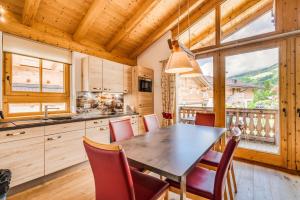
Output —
(22, 151)
(98, 134)
(135, 124)
(32, 153)
(63, 150)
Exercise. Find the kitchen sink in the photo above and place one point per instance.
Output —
(59, 118)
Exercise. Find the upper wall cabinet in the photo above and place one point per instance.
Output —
(127, 78)
(92, 74)
(112, 76)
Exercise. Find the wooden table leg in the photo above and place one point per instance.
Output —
(183, 188)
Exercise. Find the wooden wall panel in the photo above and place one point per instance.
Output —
(297, 138)
(219, 90)
(291, 103)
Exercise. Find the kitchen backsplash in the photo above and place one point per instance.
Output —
(103, 103)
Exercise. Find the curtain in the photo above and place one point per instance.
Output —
(168, 86)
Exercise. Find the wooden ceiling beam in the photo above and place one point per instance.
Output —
(29, 12)
(13, 26)
(229, 18)
(165, 27)
(142, 11)
(88, 20)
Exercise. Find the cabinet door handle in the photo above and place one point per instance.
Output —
(105, 89)
(95, 122)
(15, 134)
(53, 138)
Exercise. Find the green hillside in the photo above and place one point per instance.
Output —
(259, 77)
(267, 79)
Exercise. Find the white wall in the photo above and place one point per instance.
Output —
(151, 58)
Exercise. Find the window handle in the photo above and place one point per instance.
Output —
(298, 111)
(284, 111)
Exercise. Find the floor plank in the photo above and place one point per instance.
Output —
(254, 183)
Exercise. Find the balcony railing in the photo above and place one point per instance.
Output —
(256, 124)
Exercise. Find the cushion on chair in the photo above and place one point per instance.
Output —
(200, 181)
(147, 187)
(212, 158)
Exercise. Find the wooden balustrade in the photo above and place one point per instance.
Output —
(256, 124)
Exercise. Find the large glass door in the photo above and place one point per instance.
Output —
(254, 92)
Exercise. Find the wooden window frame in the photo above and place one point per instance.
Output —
(10, 96)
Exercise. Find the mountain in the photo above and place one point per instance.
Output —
(259, 77)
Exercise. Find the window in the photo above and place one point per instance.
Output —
(252, 98)
(31, 83)
(202, 32)
(25, 74)
(198, 91)
(53, 76)
(244, 19)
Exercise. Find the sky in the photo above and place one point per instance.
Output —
(246, 62)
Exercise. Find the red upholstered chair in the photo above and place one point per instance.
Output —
(120, 130)
(205, 119)
(212, 160)
(151, 122)
(114, 179)
(207, 183)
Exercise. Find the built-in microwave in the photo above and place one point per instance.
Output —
(145, 85)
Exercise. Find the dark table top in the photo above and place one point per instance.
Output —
(172, 151)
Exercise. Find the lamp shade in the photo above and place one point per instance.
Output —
(196, 72)
(178, 62)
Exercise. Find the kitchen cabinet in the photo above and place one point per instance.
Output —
(31, 153)
(96, 123)
(99, 134)
(63, 150)
(67, 127)
(127, 76)
(112, 76)
(135, 124)
(144, 101)
(145, 72)
(22, 151)
(92, 74)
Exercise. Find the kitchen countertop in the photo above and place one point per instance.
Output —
(12, 125)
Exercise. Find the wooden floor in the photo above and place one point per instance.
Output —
(254, 183)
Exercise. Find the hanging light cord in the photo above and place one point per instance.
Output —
(189, 24)
(178, 20)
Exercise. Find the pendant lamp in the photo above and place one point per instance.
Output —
(196, 72)
(178, 61)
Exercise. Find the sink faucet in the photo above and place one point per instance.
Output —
(46, 111)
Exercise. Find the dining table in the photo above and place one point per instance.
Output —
(173, 151)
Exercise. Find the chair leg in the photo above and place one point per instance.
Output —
(233, 178)
(225, 194)
(229, 187)
(166, 196)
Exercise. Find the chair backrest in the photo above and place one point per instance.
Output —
(111, 171)
(151, 122)
(222, 170)
(205, 119)
(120, 130)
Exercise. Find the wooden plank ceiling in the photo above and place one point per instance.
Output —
(119, 30)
